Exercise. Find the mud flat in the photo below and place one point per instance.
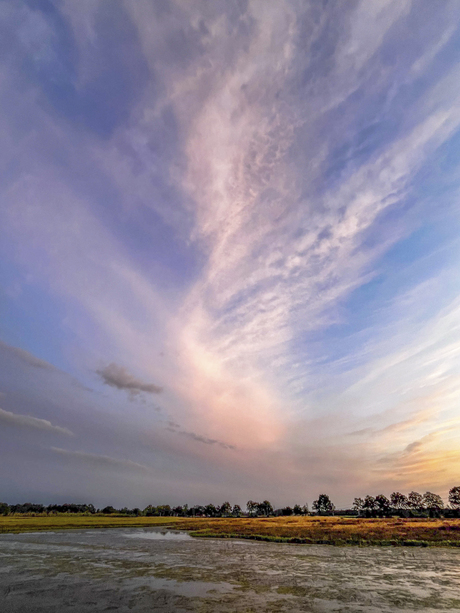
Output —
(141, 569)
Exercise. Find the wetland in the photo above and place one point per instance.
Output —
(158, 569)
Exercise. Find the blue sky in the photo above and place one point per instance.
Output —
(229, 250)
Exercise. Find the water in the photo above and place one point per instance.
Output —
(145, 570)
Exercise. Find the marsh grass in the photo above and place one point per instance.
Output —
(418, 532)
(65, 521)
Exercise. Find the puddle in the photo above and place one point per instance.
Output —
(164, 535)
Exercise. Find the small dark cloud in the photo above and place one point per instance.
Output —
(95, 459)
(26, 357)
(34, 423)
(117, 376)
(173, 427)
(415, 446)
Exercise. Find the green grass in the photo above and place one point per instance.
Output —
(65, 521)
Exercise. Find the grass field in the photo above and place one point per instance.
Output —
(30, 523)
(319, 530)
(332, 530)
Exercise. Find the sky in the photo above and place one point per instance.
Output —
(229, 250)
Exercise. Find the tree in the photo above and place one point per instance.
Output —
(398, 501)
(265, 508)
(4, 508)
(297, 510)
(383, 505)
(415, 501)
(286, 511)
(210, 510)
(225, 509)
(323, 504)
(305, 509)
(454, 497)
(358, 505)
(433, 502)
(252, 507)
(369, 505)
(236, 511)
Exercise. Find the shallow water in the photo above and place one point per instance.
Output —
(142, 570)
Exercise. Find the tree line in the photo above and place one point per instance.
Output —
(427, 504)
(412, 505)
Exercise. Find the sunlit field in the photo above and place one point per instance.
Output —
(318, 530)
(332, 530)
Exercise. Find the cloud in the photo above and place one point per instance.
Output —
(266, 165)
(173, 427)
(118, 377)
(94, 459)
(27, 357)
(34, 423)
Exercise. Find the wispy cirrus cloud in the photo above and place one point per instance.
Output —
(252, 203)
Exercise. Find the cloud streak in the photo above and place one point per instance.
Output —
(31, 423)
(26, 357)
(119, 377)
(97, 460)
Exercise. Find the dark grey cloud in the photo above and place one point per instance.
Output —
(117, 376)
(34, 423)
(95, 459)
(26, 357)
(173, 427)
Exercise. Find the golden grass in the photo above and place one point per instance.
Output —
(325, 530)
(64, 521)
(332, 530)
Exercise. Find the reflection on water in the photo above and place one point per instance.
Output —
(163, 535)
(144, 570)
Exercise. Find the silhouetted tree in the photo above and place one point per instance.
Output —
(297, 509)
(454, 497)
(399, 501)
(323, 504)
(369, 506)
(433, 503)
(265, 508)
(383, 505)
(236, 511)
(252, 507)
(225, 509)
(358, 505)
(210, 510)
(415, 501)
